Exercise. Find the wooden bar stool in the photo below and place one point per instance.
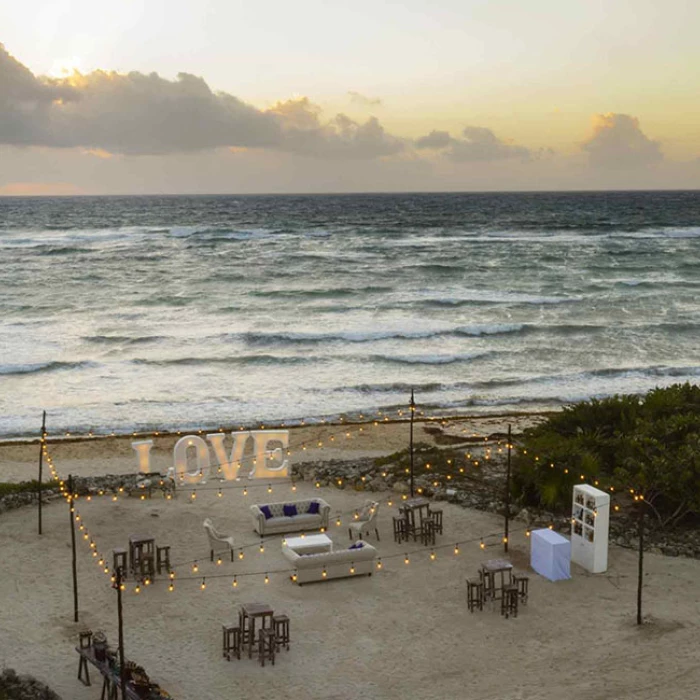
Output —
(522, 584)
(475, 595)
(231, 641)
(266, 645)
(509, 601)
(400, 532)
(436, 517)
(487, 580)
(280, 625)
(163, 558)
(427, 532)
(146, 567)
(119, 560)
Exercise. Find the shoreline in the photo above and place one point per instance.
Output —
(99, 455)
(307, 423)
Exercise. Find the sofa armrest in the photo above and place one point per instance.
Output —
(258, 519)
(324, 510)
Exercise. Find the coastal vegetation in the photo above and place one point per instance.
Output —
(648, 446)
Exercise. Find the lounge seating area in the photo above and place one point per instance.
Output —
(357, 560)
(290, 516)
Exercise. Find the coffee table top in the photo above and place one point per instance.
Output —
(309, 541)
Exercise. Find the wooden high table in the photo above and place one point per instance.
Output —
(497, 566)
(409, 508)
(250, 612)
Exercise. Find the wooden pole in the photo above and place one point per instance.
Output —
(42, 445)
(71, 513)
(120, 616)
(640, 574)
(505, 538)
(413, 411)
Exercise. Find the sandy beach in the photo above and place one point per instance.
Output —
(404, 632)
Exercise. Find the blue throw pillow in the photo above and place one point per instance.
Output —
(358, 545)
(313, 507)
(290, 510)
(266, 512)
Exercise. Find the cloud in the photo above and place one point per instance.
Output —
(361, 100)
(618, 142)
(139, 114)
(478, 144)
(341, 137)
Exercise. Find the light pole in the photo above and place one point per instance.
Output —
(413, 412)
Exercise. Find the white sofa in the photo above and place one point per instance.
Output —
(337, 563)
(279, 522)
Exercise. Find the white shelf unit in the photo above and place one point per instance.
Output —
(590, 524)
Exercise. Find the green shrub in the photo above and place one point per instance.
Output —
(650, 444)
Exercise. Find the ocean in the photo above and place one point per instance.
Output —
(122, 314)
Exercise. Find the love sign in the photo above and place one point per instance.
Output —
(192, 457)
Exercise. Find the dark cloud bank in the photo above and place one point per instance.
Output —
(139, 114)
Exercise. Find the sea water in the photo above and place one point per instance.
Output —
(148, 313)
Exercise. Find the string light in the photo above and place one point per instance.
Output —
(406, 559)
(267, 578)
(203, 585)
(195, 568)
(235, 582)
(432, 555)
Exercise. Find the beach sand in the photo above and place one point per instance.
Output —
(404, 632)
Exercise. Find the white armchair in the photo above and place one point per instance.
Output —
(366, 522)
(217, 541)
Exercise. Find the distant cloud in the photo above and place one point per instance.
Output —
(363, 101)
(618, 142)
(478, 144)
(137, 114)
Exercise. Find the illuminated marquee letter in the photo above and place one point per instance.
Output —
(180, 459)
(143, 454)
(230, 466)
(262, 468)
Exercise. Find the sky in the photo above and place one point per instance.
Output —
(229, 96)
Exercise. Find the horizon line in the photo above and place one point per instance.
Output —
(349, 193)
